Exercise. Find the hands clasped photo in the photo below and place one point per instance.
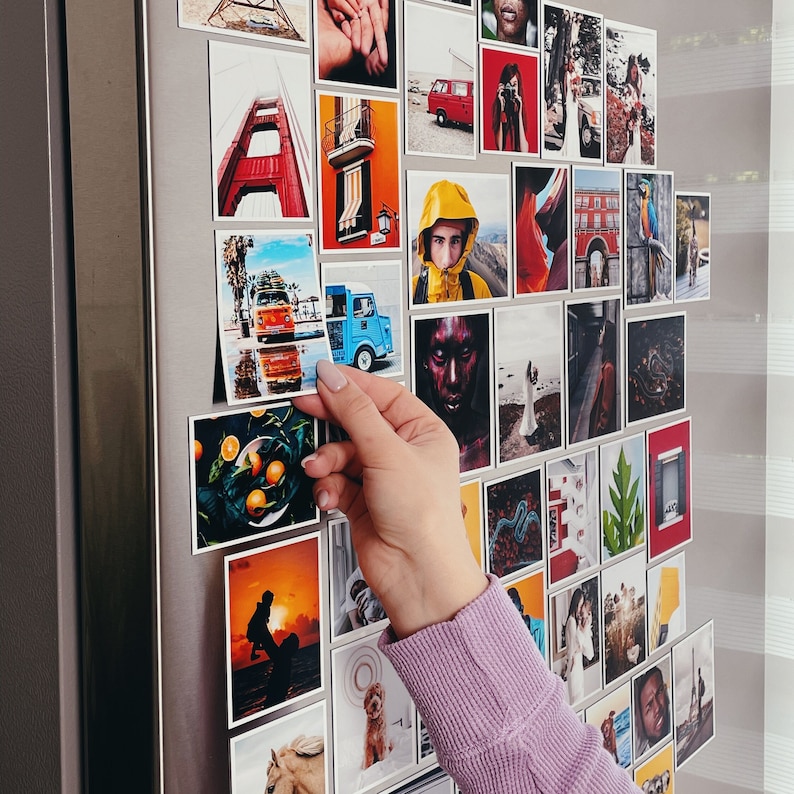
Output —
(356, 42)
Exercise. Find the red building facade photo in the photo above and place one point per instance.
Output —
(597, 223)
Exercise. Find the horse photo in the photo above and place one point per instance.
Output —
(298, 767)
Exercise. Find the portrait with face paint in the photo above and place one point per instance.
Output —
(452, 376)
(510, 21)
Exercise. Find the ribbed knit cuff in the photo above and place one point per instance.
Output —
(459, 668)
(496, 714)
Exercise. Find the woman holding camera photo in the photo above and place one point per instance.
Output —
(507, 113)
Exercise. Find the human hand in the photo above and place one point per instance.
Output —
(365, 23)
(373, 64)
(341, 17)
(373, 45)
(343, 9)
(335, 46)
(348, 16)
(355, 619)
(397, 482)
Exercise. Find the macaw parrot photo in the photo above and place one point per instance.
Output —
(650, 230)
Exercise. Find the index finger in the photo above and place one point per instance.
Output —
(355, 33)
(366, 32)
(380, 35)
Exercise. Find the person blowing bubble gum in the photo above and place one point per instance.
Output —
(496, 715)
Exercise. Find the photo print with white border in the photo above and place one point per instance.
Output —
(514, 510)
(528, 594)
(271, 332)
(478, 245)
(655, 366)
(273, 627)
(650, 238)
(354, 606)
(358, 160)
(282, 22)
(612, 716)
(471, 507)
(436, 781)
(652, 696)
(363, 314)
(693, 247)
(260, 99)
(245, 474)
(510, 22)
(669, 487)
(371, 64)
(529, 373)
(572, 86)
(631, 101)
(594, 341)
(666, 602)
(693, 693)
(509, 101)
(373, 716)
(597, 228)
(623, 496)
(287, 752)
(575, 638)
(657, 773)
(453, 377)
(625, 616)
(542, 211)
(574, 526)
(441, 85)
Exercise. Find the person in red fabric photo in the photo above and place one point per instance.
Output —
(594, 384)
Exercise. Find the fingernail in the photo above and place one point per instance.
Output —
(331, 377)
(309, 459)
(322, 499)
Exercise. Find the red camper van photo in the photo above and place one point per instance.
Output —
(273, 313)
(451, 101)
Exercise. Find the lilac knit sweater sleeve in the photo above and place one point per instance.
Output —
(495, 713)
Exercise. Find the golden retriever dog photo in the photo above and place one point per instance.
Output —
(376, 744)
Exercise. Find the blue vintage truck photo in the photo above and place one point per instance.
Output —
(357, 332)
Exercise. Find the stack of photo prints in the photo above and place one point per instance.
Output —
(556, 356)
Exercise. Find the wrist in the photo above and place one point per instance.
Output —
(434, 593)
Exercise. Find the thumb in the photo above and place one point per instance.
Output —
(354, 411)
